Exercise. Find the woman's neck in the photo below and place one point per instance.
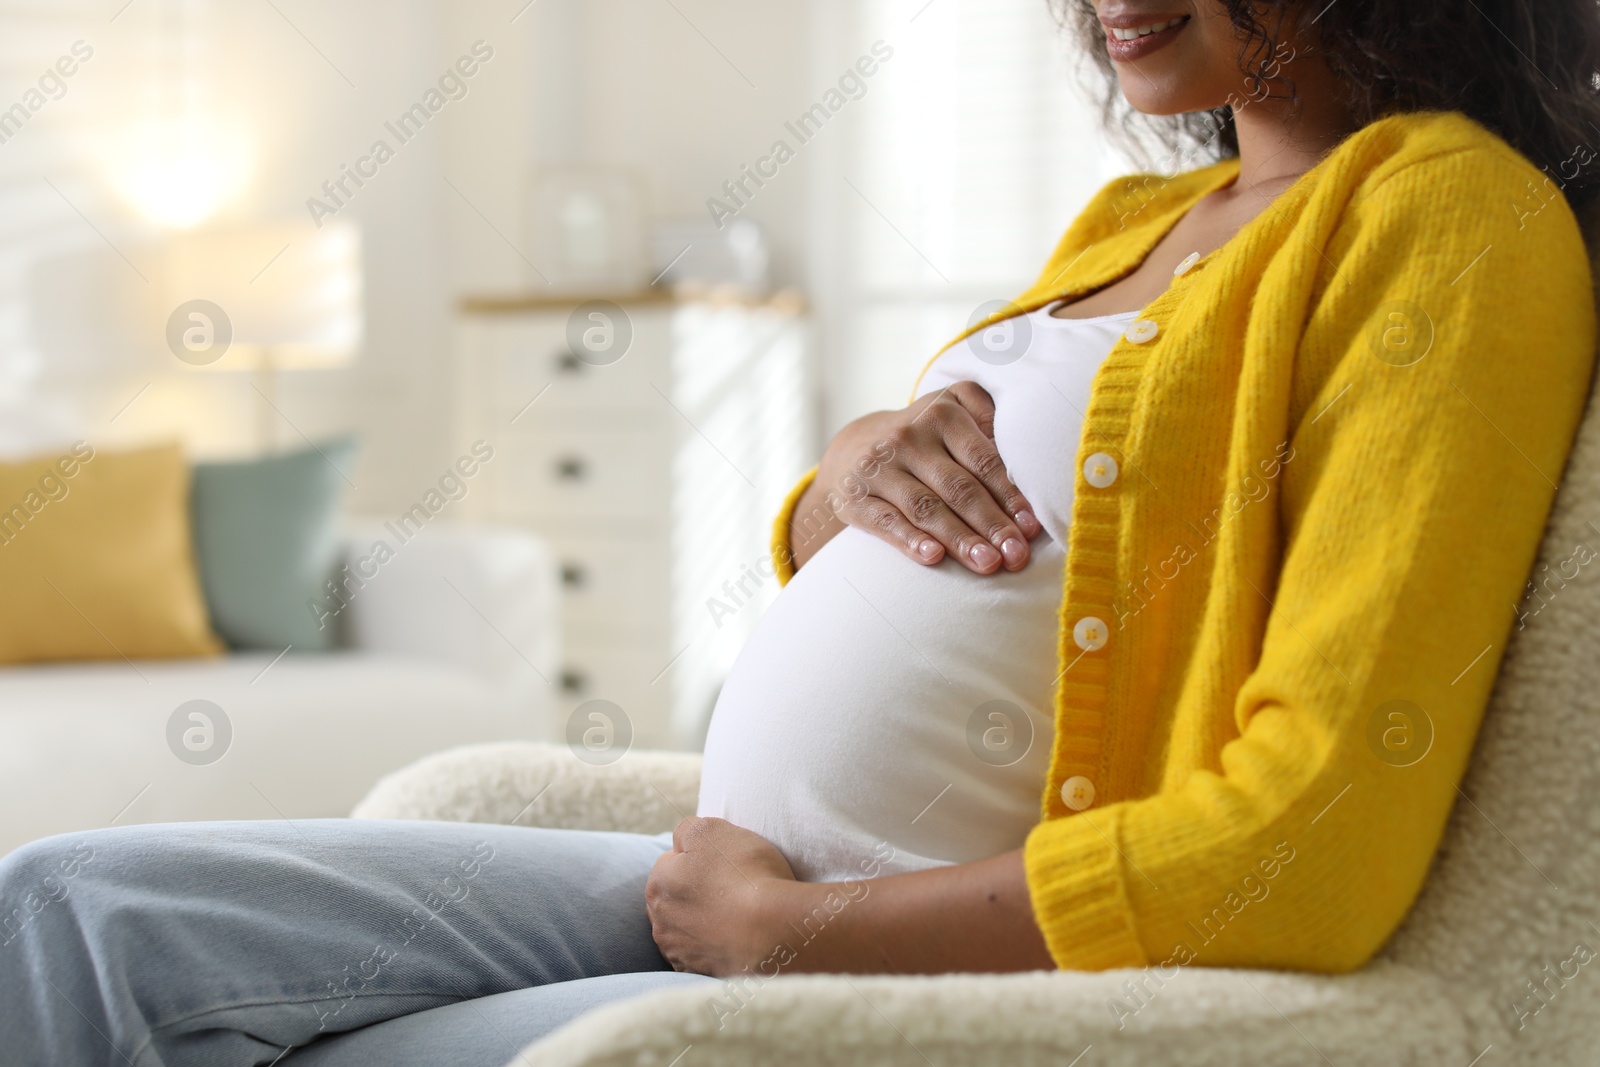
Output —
(1278, 141)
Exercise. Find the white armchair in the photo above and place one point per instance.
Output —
(1492, 966)
(1496, 963)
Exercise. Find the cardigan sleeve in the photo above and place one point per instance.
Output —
(1440, 373)
(782, 547)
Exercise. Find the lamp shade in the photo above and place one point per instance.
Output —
(290, 292)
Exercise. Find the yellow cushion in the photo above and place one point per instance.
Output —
(96, 560)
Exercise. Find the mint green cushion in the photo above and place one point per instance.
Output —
(266, 532)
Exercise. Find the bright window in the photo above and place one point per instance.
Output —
(972, 151)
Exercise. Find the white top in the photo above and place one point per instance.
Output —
(887, 708)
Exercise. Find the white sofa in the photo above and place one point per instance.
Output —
(446, 645)
(1497, 963)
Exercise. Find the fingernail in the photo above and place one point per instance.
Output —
(928, 549)
(1029, 524)
(1014, 550)
(984, 555)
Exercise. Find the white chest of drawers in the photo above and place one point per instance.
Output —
(654, 475)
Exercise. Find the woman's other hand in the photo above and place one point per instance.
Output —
(725, 902)
(927, 479)
(707, 898)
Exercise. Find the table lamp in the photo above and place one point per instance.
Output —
(265, 298)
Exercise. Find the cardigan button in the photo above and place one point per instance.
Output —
(1077, 792)
(1142, 331)
(1188, 263)
(1100, 470)
(1090, 633)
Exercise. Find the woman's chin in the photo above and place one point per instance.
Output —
(1167, 93)
(1156, 109)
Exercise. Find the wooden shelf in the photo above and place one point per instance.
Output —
(787, 300)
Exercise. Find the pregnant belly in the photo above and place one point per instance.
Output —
(886, 716)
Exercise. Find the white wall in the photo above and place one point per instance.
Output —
(633, 85)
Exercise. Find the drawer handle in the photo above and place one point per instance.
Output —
(571, 468)
(574, 575)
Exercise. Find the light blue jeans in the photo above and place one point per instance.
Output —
(317, 943)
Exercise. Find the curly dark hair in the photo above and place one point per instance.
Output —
(1529, 70)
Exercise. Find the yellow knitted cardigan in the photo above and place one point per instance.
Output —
(1335, 458)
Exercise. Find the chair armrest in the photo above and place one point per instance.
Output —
(535, 784)
(482, 599)
(1197, 1017)
(1387, 1013)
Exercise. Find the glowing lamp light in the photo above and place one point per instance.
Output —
(180, 175)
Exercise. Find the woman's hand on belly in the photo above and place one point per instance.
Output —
(927, 479)
(724, 901)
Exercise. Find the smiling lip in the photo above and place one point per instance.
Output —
(1131, 37)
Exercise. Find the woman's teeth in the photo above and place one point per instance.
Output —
(1145, 31)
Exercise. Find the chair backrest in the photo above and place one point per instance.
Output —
(1507, 918)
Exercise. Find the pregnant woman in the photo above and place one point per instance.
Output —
(1210, 540)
